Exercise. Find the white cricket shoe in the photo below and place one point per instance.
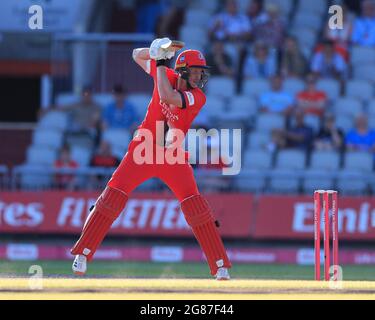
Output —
(222, 274)
(79, 266)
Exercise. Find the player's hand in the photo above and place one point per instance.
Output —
(164, 48)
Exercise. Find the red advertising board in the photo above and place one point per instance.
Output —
(145, 214)
(241, 215)
(288, 217)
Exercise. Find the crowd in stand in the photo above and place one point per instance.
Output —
(252, 43)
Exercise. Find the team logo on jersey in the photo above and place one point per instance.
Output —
(190, 97)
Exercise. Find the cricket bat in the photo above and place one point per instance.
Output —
(173, 45)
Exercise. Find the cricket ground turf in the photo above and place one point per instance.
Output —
(187, 281)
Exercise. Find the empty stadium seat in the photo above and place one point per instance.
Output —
(344, 122)
(140, 102)
(314, 179)
(314, 7)
(206, 6)
(291, 159)
(197, 17)
(362, 161)
(66, 99)
(330, 86)
(305, 19)
(103, 99)
(284, 181)
(371, 122)
(47, 138)
(359, 89)
(293, 85)
(365, 72)
(325, 160)
(244, 105)
(117, 137)
(371, 107)
(34, 177)
(81, 155)
(348, 106)
(36, 155)
(267, 121)
(352, 182)
(221, 86)
(258, 140)
(194, 34)
(250, 180)
(305, 36)
(57, 120)
(255, 87)
(362, 55)
(214, 107)
(257, 160)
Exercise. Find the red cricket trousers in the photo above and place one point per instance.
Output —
(178, 177)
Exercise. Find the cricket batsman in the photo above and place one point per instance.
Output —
(177, 99)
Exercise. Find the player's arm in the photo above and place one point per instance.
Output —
(167, 94)
(142, 57)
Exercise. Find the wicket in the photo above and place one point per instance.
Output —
(326, 237)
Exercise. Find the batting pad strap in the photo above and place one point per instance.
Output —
(111, 201)
(196, 211)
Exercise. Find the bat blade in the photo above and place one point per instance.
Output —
(173, 45)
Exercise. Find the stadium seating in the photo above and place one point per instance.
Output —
(266, 122)
(348, 106)
(48, 138)
(221, 86)
(359, 89)
(57, 120)
(254, 87)
(330, 86)
(325, 160)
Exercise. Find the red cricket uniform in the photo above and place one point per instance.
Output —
(179, 177)
(130, 174)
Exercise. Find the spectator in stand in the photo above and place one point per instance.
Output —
(255, 11)
(297, 135)
(219, 61)
(230, 24)
(270, 28)
(361, 138)
(293, 62)
(312, 100)
(66, 181)
(364, 26)
(341, 37)
(85, 117)
(148, 13)
(260, 64)
(103, 158)
(277, 100)
(329, 137)
(120, 114)
(328, 63)
(170, 21)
